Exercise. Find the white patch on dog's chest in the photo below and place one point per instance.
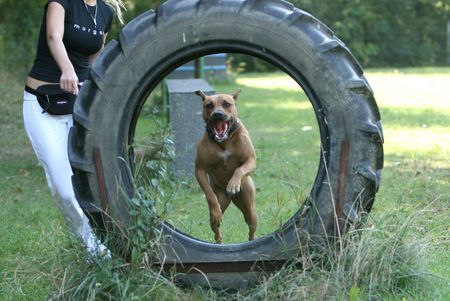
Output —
(224, 155)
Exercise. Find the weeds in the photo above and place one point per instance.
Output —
(380, 260)
(131, 275)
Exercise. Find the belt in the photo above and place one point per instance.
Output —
(32, 91)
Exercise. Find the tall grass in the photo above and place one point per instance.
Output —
(378, 262)
(383, 260)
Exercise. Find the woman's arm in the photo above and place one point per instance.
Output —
(55, 33)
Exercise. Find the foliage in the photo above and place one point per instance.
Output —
(153, 181)
(378, 32)
(19, 28)
(18, 32)
(131, 274)
(385, 32)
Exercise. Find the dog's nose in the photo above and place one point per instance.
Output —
(218, 114)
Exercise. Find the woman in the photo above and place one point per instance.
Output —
(72, 34)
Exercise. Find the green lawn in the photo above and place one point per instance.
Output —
(36, 253)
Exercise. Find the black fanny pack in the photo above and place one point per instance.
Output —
(53, 100)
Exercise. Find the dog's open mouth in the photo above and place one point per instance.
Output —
(221, 129)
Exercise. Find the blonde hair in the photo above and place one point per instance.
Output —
(118, 7)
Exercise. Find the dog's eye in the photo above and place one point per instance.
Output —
(226, 104)
(209, 105)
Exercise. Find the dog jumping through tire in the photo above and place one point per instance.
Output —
(224, 161)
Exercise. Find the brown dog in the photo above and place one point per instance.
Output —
(225, 159)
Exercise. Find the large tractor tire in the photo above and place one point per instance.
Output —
(156, 43)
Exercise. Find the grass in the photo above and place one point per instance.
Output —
(401, 254)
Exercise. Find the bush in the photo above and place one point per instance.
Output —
(378, 32)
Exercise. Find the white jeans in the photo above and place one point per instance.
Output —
(49, 137)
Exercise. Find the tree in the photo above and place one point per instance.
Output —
(378, 32)
(386, 32)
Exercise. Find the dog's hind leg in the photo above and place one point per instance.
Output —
(215, 227)
(224, 201)
(245, 201)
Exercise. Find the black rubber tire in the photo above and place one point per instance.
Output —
(155, 43)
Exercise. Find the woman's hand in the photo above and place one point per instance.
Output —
(69, 81)
(55, 33)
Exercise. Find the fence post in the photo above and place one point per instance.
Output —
(186, 121)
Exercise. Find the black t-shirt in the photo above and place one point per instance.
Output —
(82, 38)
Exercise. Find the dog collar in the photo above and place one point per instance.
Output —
(234, 126)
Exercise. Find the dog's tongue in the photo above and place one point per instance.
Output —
(220, 129)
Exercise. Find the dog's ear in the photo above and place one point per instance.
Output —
(201, 94)
(236, 94)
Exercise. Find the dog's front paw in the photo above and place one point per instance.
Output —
(234, 186)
